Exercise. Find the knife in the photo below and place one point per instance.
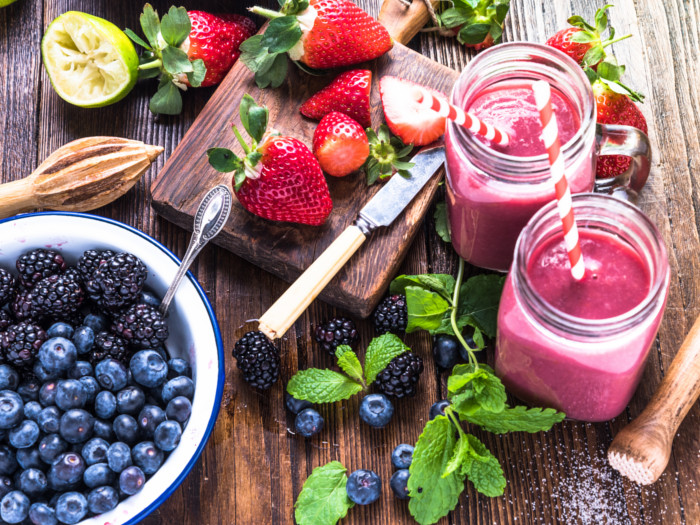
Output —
(380, 211)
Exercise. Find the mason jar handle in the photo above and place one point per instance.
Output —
(631, 142)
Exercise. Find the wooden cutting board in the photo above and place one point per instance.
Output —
(283, 249)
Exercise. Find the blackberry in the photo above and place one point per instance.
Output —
(339, 331)
(142, 326)
(21, 343)
(400, 376)
(117, 281)
(90, 261)
(258, 359)
(22, 306)
(391, 315)
(8, 286)
(37, 264)
(56, 296)
(73, 274)
(109, 346)
(5, 320)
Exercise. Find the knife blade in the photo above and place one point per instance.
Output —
(380, 211)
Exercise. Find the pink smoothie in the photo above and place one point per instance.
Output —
(592, 378)
(486, 211)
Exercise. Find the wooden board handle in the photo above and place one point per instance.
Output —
(642, 449)
(287, 309)
(403, 20)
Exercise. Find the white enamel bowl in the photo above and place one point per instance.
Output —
(194, 332)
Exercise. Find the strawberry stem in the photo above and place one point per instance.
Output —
(267, 13)
(151, 65)
(241, 141)
(606, 44)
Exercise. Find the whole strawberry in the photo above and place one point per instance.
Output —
(340, 144)
(318, 33)
(348, 94)
(279, 178)
(478, 24)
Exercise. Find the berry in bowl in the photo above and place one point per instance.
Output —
(105, 404)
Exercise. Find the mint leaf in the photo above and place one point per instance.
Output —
(349, 363)
(322, 386)
(150, 24)
(199, 71)
(426, 309)
(380, 352)
(281, 34)
(483, 469)
(470, 388)
(167, 100)
(433, 496)
(224, 160)
(460, 455)
(442, 226)
(323, 499)
(176, 61)
(253, 117)
(478, 302)
(440, 283)
(517, 419)
(175, 26)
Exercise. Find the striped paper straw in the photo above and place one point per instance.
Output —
(462, 118)
(550, 137)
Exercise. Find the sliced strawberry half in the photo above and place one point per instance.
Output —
(406, 117)
(347, 94)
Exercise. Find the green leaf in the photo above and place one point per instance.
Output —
(433, 496)
(349, 363)
(454, 17)
(442, 225)
(583, 37)
(601, 18)
(459, 456)
(281, 34)
(496, 32)
(502, 7)
(469, 387)
(426, 309)
(150, 24)
(322, 386)
(199, 71)
(440, 283)
(479, 298)
(610, 70)
(254, 55)
(578, 21)
(484, 470)
(380, 352)
(224, 160)
(253, 117)
(176, 61)
(138, 40)
(323, 499)
(517, 419)
(175, 26)
(167, 100)
(473, 34)
(275, 75)
(593, 55)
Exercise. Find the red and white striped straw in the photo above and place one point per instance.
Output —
(462, 118)
(550, 137)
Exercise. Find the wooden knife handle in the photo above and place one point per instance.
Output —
(404, 20)
(645, 443)
(276, 321)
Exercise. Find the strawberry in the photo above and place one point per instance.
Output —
(615, 108)
(478, 24)
(340, 144)
(406, 118)
(348, 94)
(187, 49)
(279, 178)
(318, 33)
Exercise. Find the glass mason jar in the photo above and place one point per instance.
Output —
(586, 367)
(490, 194)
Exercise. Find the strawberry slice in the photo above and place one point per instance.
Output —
(348, 94)
(406, 118)
(340, 144)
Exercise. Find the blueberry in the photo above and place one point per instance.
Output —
(50, 447)
(11, 409)
(167, 435)
(60, 330)
(178, 386)
(111, 374)
(71, 508)
(9, 378)
(469, 339)
(95, 451)
(446, 351)
(6, 485)
(103, 429)
(91, 388)
(66, 472)
(32, 482)
(8, 460)
(402, 456)
(28, 389)
(179, 367)
(30, 458)
(131, 480)
(399, 483)
(149, 418)
(84, 339)
(363, 487)
(24, 435)
(376, 410)
(98, 323)
(308, 422)
(70, 394)
(42, 514)
(149, 299)
(179, 409)
(32, 409)
(42, 374)
(76, 426)
(58, 355)
(147, 457)
(105, 404)
(149, 368)
(130, 400)
(118, 456)
(163, 352)
(14, 507)
(438, 409)
(98, 475)
(126, 429)
(102, 499)
(47, 393)
(295, 405)
(49, 419)
(80, 369)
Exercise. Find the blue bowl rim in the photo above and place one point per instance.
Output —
(219, 345)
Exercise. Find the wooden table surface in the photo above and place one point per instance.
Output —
(253, 466)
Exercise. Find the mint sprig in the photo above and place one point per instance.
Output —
(475, 20)
(323, 499)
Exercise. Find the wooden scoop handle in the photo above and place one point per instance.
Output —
(642, 449)
(404, 20)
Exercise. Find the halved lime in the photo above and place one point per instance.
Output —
(91, 62)
(4, 3)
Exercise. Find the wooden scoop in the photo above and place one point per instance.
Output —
(404, 18)
(642, 449)
(80, 176)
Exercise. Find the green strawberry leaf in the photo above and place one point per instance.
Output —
(323, 499)
(386, 154)
(281, 34)
(175, 26)
(253, 117)
(322, 386)
(601, 19)
(583, 37)
(199, 71)
(274, 76)
(137, 40)
(517, 419)
(578, 21)
(380, 352)
(474, 33)
(594, 55)
(442, 224)
(426, 309)
(150, 24)
(224, 160)
(483, 469)
(176, 61)
(349, 363)
(610, 70)
(254, 55)
(167, 100)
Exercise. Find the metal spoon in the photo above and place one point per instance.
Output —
(208, 222)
